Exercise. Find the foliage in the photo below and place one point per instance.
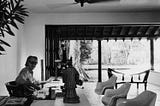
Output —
(10, 12)
(85, 50)
(76, 59)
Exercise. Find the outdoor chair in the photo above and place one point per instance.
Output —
(139, 79)
(146, 98)
(102, 86)
(112, 95)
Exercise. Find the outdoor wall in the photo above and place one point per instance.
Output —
(30, 39)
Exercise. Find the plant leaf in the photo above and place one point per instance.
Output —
(12, 4)
(22, 13)
(5, 43)
(19, 19)
(1, 53)
(14, 24)
(1, 48)
(2, 32)
(9, 31)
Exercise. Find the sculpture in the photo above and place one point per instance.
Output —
(70, 78)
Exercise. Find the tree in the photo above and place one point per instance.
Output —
(85, 48)
(75, 54)
(11, 11)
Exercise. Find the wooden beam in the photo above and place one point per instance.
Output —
(124, 31)
(107, 31)
(157, 32)
(116, 31)
(151, 30)
(142, 31)
(133, 31)
(152, 53)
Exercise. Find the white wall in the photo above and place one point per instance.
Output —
(30, 39)
(8, 62)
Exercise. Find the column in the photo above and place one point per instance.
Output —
(99, 62)
(152, 53)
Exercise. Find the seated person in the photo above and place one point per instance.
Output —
(25, 78)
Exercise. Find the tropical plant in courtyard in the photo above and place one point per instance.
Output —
(76, 60)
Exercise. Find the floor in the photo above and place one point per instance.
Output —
(89, 98)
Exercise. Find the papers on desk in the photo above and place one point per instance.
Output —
(54, 85)
(41, 93)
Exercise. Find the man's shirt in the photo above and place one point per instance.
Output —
(25, 76)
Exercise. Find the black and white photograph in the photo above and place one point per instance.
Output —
(79, 52)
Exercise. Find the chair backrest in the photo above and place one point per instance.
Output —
(147, 98)
(110, 72)
(123, 89)
(102, 86)
(13, 88)
(146, 76)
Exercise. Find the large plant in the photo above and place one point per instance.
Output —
(11, 12)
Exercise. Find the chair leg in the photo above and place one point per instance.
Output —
(145, 86)
(137, 85)
(116, 85)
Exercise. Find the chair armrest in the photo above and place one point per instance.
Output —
(109, 93)
(114, 99)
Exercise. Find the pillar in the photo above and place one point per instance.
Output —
(99, 62)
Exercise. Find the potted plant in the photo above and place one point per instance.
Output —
(11, 11)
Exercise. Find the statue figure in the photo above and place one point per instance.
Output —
(70, 78)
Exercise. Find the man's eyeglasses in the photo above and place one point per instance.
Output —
(33, 62)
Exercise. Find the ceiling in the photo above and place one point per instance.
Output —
(69, 6)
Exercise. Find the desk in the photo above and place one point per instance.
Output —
(59, 101)
(50, 90)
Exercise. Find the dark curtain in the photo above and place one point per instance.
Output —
(51, 51)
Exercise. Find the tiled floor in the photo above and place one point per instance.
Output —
(89, 98)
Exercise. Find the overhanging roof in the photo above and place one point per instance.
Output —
(120, 31)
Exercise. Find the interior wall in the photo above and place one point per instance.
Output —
(8, 62)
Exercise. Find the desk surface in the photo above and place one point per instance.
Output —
(59, 101)
(54, 85)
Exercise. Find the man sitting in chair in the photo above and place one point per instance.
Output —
(25, 78)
